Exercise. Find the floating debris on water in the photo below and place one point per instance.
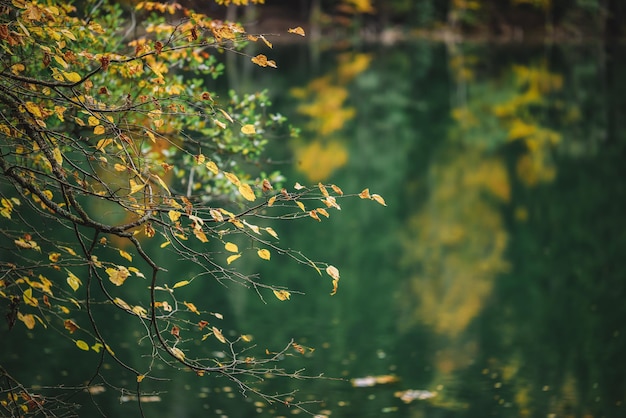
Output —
(368, 381)
(408, 396)
(145, 398)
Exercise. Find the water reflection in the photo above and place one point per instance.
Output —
(483, 286)
(492, 283)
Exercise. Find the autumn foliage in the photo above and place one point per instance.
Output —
(114, 157)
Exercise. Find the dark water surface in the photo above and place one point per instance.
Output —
(493, 283)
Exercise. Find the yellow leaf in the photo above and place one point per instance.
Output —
(126, 255)
(118, 276)
(103, 143)
(72, 77)
(73, 281)
(335, 285)
(59, 110)
(230, 247)
(282, 294)
(218, 334)
(298, 31)
(150, 135)
(232, 178)
(122, 304)
(212, 167)
(58, 157)
(216, 215)
(333, 272)
(60, 61)
(29, 299)
(162, 183)
(120, 167)
(174, 215)
(140, 377)
(379, 199)
(227, 213)
(33, 109)
(315, 267)
(313, 214)
(260, 60)
(140, 311)
(200, 235)
(322, 211)
(82, 345)
(248, 129)
(134, 187)
(254, 228)
(29, 245)
(28, 320)
(331, 202)
(219, 123)
(93, 121)
(247, 192)
(99, 130)
(271, 232)
(268, 43)
(180, 284)
(365, 194)
(264, 254)
(226, 115)
(192, 307)
(17, 68)
(232, 258)
(165, 244)
(322, 189)
(298, 186)
(300, 205)
(271, 201)
(69, 250)
(178, 353)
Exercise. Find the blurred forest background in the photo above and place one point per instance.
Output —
(391, 19)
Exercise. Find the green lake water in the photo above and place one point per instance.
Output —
(491, 284)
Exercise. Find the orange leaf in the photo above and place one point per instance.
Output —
(262, 61)
(298, 31)
(192, 307)
(70, 326)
